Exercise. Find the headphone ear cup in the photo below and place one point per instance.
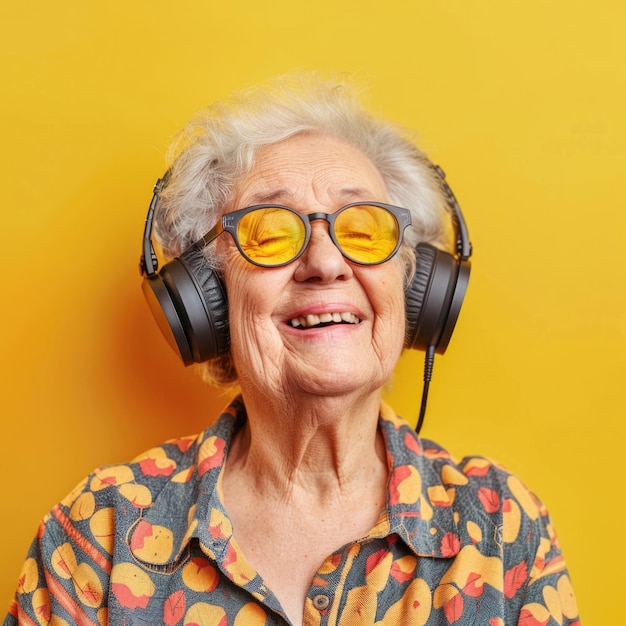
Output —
(189, 302)
(166, 316)
(433, 299)
(415, 293)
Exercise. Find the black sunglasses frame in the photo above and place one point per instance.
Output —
(230, 221)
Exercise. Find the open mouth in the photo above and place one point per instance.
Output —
(324, 319)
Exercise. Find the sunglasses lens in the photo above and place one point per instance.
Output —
(367, 234)
(271, 236)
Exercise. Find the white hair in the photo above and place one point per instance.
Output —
(217, 148)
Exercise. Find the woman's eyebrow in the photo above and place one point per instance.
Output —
(356, 192)
(277, 195)
(285, 195)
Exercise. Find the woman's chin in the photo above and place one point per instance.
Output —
(332, 381)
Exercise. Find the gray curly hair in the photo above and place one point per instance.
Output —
(217, 148)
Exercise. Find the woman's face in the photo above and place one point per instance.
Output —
(312, 173)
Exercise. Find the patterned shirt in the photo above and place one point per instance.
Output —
(150, 542)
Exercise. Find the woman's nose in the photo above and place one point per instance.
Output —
(322, 260)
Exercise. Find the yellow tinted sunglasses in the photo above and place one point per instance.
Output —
(269, 235)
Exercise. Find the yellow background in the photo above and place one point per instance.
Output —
(521, 102)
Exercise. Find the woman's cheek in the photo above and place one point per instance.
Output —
(252, 330)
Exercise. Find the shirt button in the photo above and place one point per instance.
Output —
(321, 602)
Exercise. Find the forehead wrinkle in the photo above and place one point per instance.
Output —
(308, 173)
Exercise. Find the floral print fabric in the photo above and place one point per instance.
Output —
(151, 543)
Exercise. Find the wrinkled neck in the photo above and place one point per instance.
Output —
(315, 446)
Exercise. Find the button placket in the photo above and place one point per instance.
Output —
(321, 601)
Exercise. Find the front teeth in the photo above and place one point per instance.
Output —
(310, 320)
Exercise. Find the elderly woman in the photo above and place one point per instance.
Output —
(291, 219)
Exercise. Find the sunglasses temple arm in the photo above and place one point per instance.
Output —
(213, 234)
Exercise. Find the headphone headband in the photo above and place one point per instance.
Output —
(463, 244)
(149, 263)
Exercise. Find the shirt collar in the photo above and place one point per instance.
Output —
(419, 505)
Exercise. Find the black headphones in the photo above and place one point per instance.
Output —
(189, 302)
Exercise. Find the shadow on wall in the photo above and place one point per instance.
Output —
(148, 379)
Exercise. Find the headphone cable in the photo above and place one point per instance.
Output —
(429, 362)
